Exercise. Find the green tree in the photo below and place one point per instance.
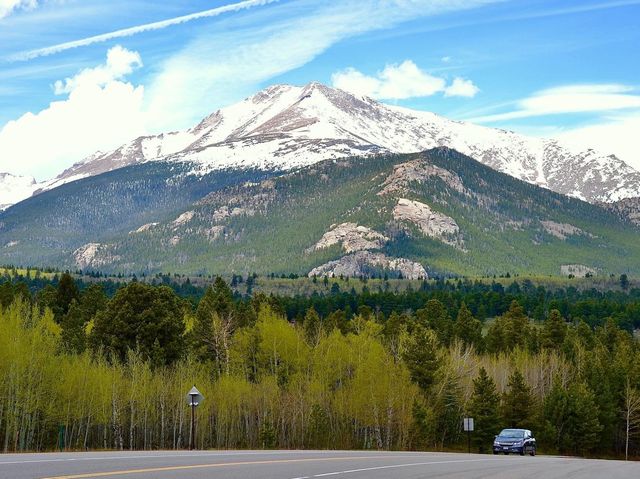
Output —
(467, 328)
(509, 331)
(135, 318)
(435, 316)
(74, 339)
(517, 402)
(571, 416)
(624, 281)
(312, 327)
(554, 331)
(66, 293)
(483, 408)
(420, 354)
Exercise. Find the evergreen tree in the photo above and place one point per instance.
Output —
(468, 329)
(554, 331)
(312, 326)
(135, 318)
(483, 408)
(66, 293)
(435, 316)
(571, 416)
(517, 402)
(73, 335)
(420, 354)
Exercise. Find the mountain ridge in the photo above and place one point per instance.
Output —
(284, 127)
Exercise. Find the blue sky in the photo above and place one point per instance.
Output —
(81, 75)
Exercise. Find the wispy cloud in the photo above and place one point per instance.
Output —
(194, 81)
(7, 7)
(569, 99)
(126, 32)
(399, 82)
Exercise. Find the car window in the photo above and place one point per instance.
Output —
(512, 433)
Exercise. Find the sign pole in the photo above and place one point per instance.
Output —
(468, 427)
(194, 397)
(193, 425)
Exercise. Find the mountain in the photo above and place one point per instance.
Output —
(416, 215)
(15, 188)
(284, 127)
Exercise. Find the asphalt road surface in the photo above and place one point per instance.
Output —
(303, 465)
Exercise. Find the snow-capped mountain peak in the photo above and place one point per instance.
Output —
(284, 127)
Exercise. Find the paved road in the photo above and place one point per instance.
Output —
(303, 465)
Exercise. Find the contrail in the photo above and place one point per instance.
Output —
(126, 32)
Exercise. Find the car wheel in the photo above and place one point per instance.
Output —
(533, 451)
(522, 451)
(495, 453)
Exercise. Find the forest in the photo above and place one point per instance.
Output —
(87, 365)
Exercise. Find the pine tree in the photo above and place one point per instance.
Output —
(467, 328)
(312, 326)
(483, 408)
(554, 331)
(517, 402)
(420, 354)
(435, 316)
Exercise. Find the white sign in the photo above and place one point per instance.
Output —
(468, 423)
(194, 397)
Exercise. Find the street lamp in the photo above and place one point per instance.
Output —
(194, 397)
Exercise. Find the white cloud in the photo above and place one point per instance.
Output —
(569, 99)
(7, 7)
(616, 134)
(101, 112)
(223, 65)
(126, 32)
(461, 87)
(120, 63)
(398, 82)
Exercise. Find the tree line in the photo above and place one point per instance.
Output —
(80, 368)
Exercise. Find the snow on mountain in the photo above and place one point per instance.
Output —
(284, 127)
(15, 188)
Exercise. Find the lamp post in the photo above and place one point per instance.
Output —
(194, 397)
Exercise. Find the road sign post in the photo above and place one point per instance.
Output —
(194, 397)
(467, 425)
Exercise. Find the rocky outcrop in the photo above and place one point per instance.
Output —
(418, 171)
(351, 237)
(144, 228)
(183, 219)
(627, 209)
(93, 255)
(577, 270)
(365, 263)
(561, 230)
(431, 223)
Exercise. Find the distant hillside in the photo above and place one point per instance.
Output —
(408, 215)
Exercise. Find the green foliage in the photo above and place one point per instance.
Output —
(554, 331)
(468, 329)
(483, 408)
(420, 354)
(509, 331)
(571, 416)
(339, 371)
(137, 317)
(518, 403)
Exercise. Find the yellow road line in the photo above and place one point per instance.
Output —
(220, 464)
